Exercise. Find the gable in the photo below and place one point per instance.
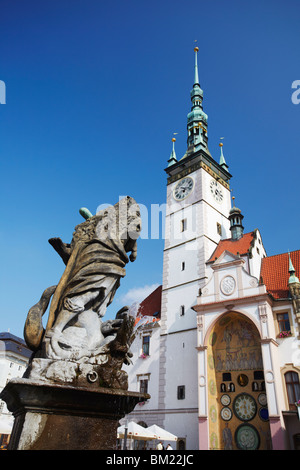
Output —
(241, 247)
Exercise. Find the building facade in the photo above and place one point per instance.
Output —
(223, 365)
(14, 357)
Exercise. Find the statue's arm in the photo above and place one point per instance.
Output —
(132, 246)
(63, 249)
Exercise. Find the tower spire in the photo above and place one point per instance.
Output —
(196, 79)
(236, 217)
(292, 272)
(172, 158)
(196, 119)
(222, 158)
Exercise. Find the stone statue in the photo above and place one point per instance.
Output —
(77, 346)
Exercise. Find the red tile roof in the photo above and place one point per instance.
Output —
(275, 273)
(150, 306)
(241, 246)
(274, 269)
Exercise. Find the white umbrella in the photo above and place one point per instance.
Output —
(6, 425)
(162, 433)
(135, 431)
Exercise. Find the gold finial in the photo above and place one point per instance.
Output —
(173, 139)
(220, 144)
(196, 49)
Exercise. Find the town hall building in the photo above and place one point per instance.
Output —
(217, 345)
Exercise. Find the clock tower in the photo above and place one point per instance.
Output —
(198, 205)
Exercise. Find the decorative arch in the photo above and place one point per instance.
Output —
(226, 312)
(235, 374)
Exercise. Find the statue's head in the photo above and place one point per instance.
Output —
(121, 222)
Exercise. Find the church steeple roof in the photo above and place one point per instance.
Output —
(292, 272)
(172, 158)
(196, 119)
(222, 158)
(236, 217)
(196, 79)
(197, 152)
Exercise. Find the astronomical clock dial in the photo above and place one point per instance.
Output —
(183, 188)
(264, 414)
(247, 437)
(226, 413)
(225, 400)
(262, 399)
(244, 407)
(216, 190)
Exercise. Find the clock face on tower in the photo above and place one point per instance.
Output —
(216, 190)
(183, 188)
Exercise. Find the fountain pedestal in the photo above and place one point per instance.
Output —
(63, 417)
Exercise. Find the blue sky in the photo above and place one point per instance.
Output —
(94, 92)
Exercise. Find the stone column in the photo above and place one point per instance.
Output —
(202, 399)
(273, 391)
(63, 417)
(202, 385)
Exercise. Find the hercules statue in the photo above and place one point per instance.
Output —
(76, 345)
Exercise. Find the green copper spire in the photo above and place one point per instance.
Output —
(196, 119)
(222, 158)
(292, 272)
(172, 158)
(235, 217)
(196, 79)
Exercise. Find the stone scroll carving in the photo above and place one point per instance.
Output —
(77, 346)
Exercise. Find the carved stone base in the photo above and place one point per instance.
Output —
(64, 417)
(107, 374)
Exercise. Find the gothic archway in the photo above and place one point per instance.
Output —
(237, 403)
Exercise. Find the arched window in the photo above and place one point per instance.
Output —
(292, 388)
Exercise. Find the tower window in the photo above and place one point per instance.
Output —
(182, 310)
(181, 392)
(182, 266)
(183, 225)
(219, 229)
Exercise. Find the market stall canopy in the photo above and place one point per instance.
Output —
(162, 433)
(6, 425)
(135, 431)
